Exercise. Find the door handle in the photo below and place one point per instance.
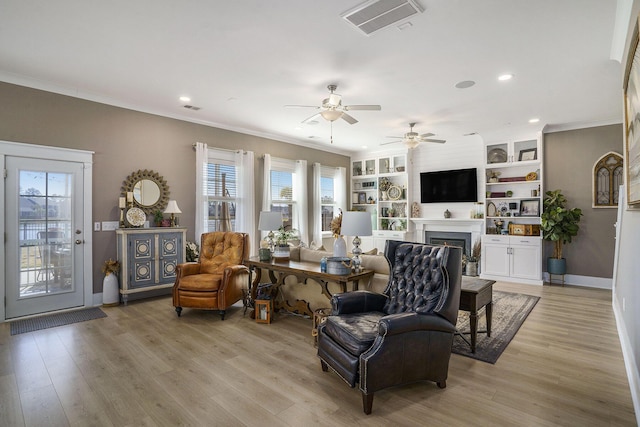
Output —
(79, 242)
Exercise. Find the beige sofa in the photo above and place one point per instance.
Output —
(311, 292)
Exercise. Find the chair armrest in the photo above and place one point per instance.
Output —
(235, 279)
(187, 269)
(357, 302)
(400, 323)
(230, 272)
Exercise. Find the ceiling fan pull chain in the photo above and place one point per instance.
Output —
(331, 124)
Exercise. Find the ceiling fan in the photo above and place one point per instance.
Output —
(332, 108)
(412, 139)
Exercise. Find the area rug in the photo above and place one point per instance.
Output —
(509, 313)
(53, 320)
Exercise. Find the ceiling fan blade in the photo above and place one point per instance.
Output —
(310, 119)
(439, 141)
(427, 135)
(391, 142)
(349, 119)
(302, 106)
(362, 107)
(400, 137)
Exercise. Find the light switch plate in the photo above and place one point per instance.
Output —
(96, 226)
(109, 225)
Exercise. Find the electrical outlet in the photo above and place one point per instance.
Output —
(96, 226)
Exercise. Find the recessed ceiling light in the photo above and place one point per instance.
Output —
(185, 99)
(505, 77)
(465, 84)
(297, 128)
(534, 120)
(364, 147)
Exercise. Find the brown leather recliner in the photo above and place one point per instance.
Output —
(402, 336)
(217, 281)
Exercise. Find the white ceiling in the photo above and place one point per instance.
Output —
(241, 61)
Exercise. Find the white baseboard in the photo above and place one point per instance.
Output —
(586, 281)
(629, 361)
(97, 299)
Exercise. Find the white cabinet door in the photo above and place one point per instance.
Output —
(495, 257)
(525, 258)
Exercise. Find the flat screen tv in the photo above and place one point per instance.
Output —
(458, 185)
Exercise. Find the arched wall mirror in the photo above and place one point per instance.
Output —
(150, 190)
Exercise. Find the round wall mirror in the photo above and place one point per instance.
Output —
(150, 190)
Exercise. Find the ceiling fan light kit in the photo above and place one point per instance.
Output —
(332, 108)
(412, 139)
(331, 115)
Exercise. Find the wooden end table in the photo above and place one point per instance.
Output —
(476, 293)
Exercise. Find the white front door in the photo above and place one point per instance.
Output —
(44, 225)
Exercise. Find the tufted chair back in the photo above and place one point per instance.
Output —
(419, 281)
(220, 249)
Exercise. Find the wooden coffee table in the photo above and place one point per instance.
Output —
(476, 293)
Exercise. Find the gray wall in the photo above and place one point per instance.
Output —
(569, 157)
(125, 141)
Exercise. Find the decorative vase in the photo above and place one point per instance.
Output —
(556, 266)
(447, 214)
(110, 290)
(384, 195)
(339, 247)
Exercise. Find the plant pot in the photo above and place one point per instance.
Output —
(283, 252)
(472, 268)
(556, 266)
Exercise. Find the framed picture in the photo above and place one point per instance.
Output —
(362, 198)
(528, 154)
(632, 121)
(530, 207)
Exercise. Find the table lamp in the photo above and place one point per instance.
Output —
(172, 208)
(270, 221)
(356, 224)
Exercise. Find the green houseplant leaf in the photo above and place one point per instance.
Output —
(558, 223)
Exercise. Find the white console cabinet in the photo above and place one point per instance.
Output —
(511, 257)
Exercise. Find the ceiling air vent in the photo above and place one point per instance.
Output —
(191, 107)
(372, 16)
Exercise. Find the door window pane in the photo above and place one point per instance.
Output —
(44, 232)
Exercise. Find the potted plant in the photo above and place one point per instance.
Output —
(158, 217)
(282, 237)
(471, 267)
(559, 224)
(110, 288)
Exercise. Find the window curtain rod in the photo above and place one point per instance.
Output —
(221, 149)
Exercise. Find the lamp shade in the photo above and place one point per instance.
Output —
(172, 207)
(356, 224)
(269, 221)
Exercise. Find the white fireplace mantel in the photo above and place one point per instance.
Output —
(460, 225)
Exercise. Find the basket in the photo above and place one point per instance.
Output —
(339, 265)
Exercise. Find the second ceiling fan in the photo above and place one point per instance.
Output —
(412, 139)
(332, 108)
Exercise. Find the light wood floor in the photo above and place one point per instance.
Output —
(143, 366)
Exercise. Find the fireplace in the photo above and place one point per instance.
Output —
(450, 238)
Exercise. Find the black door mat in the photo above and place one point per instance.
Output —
(53, 320)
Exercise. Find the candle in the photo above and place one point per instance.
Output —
(122, 203)
(129, 196)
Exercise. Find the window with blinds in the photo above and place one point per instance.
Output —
(220, 187)
(327, 201)
(282, 195)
